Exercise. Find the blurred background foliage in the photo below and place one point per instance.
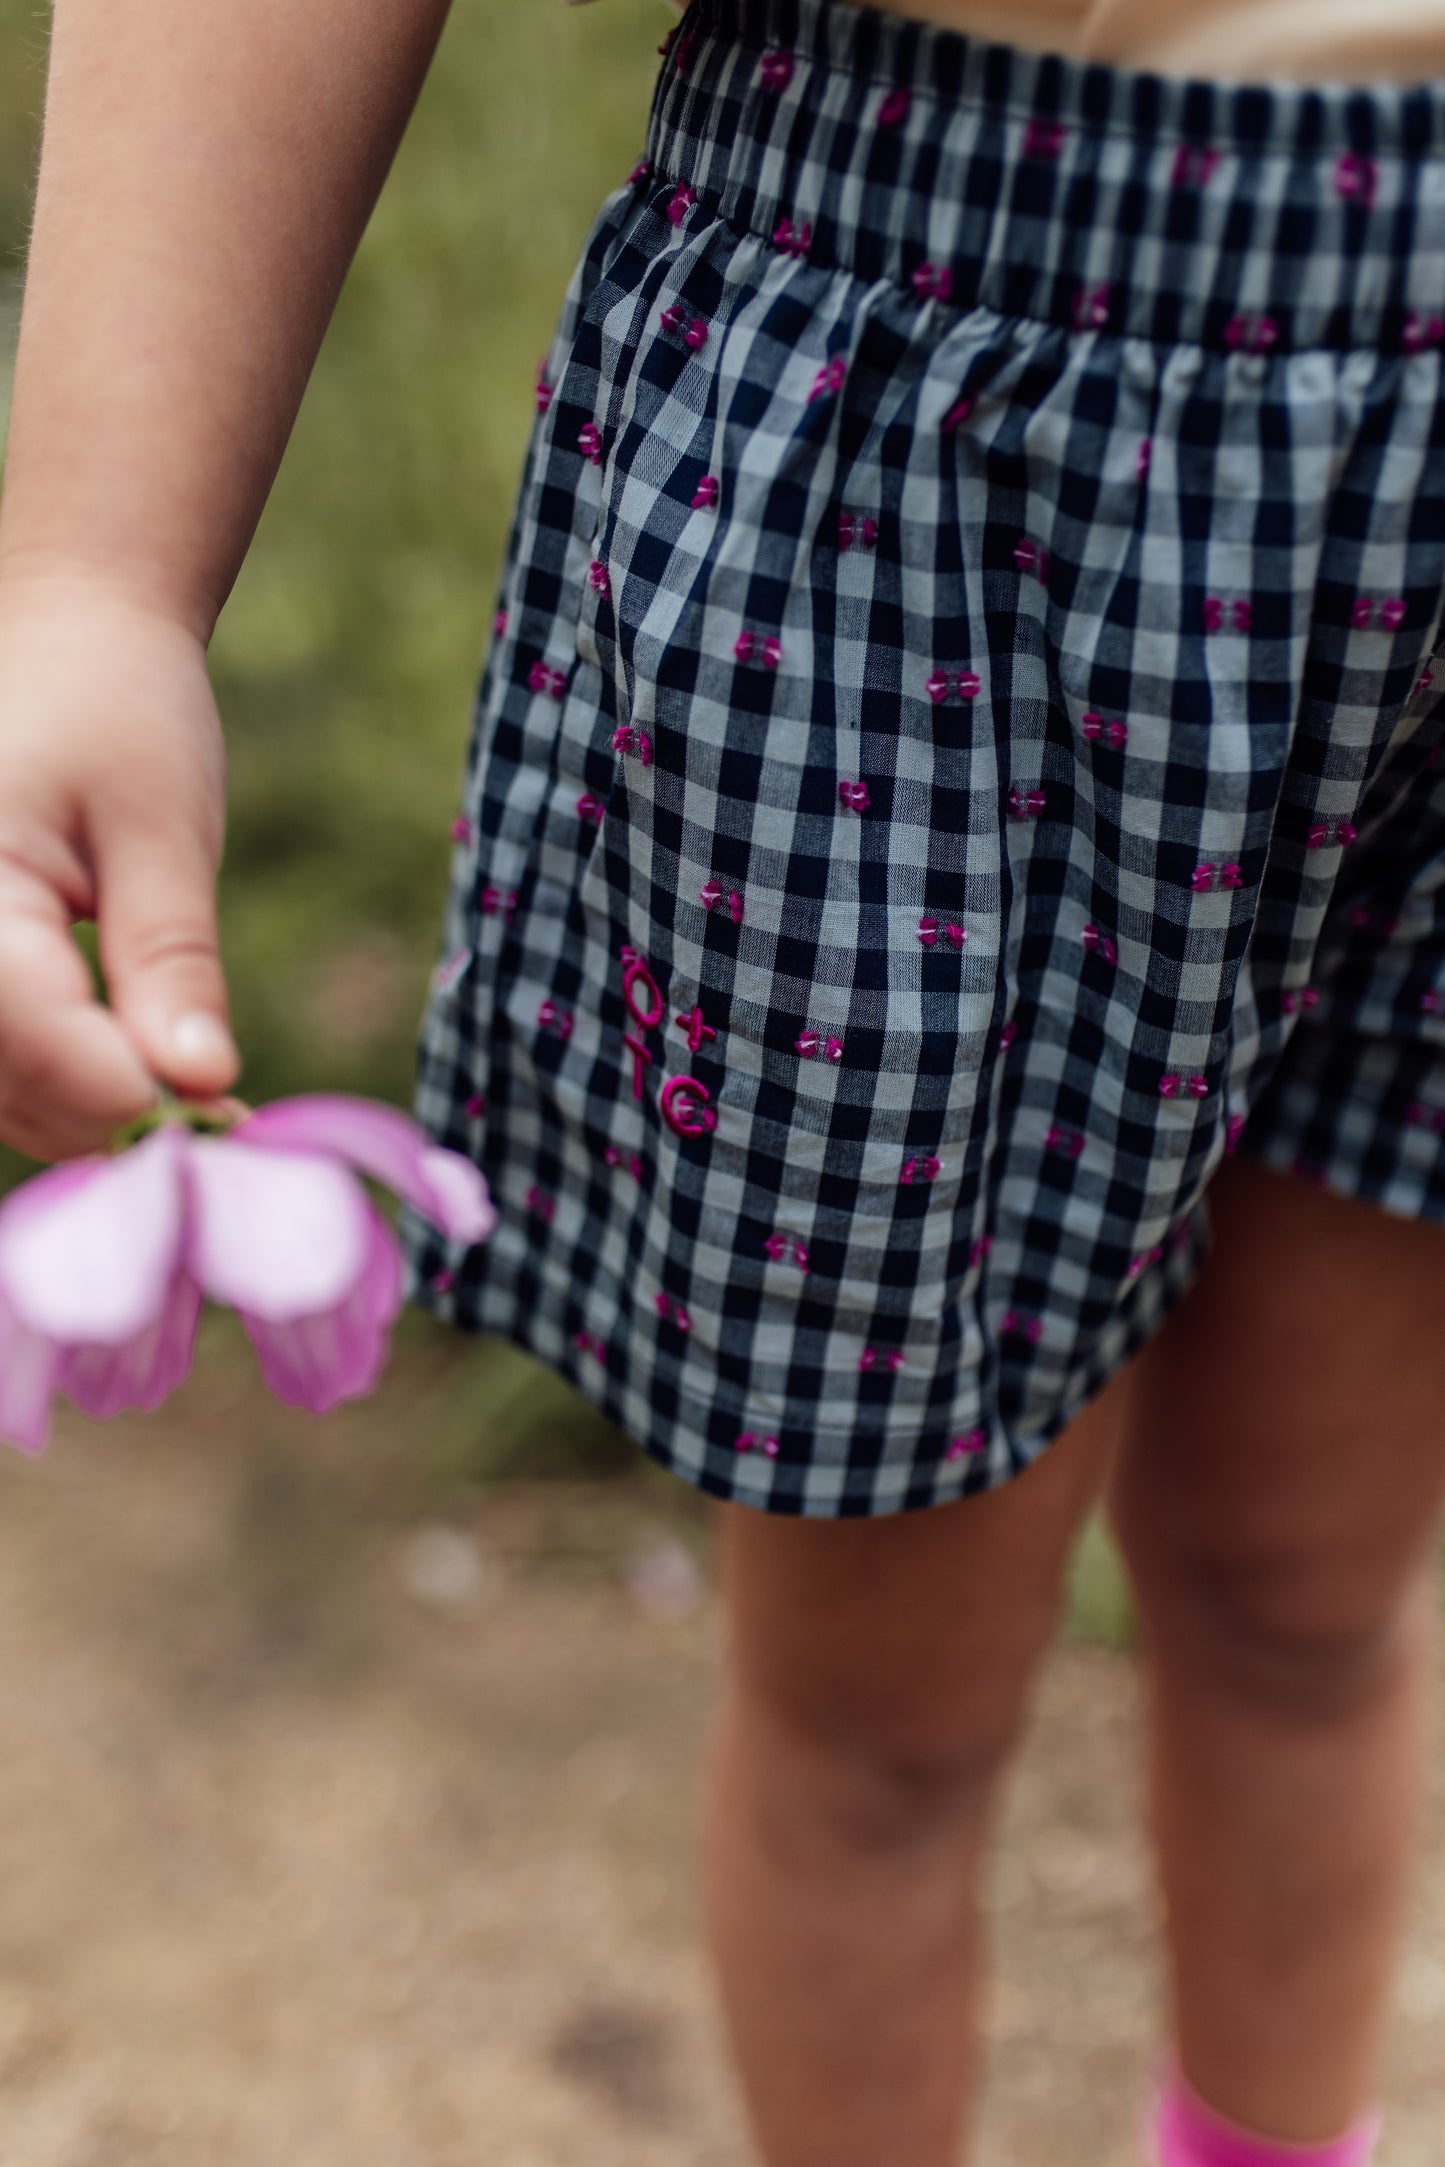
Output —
(346, 658)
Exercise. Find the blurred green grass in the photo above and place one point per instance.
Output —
(345, 661)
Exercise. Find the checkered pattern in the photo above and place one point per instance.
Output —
(963, 704)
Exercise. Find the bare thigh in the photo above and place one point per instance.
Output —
(903, 1645)
(1281, 1467)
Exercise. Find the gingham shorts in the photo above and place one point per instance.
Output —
(960, 752)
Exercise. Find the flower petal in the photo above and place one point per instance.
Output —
(88, 1248)
(338, 1354)
(27, 1380)
(444, 1186)
(279, 1234)
(140, 1372)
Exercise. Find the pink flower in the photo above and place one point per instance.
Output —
(104, 1260)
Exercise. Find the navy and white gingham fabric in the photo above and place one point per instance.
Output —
(959, 752)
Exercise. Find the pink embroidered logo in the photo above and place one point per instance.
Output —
(1172, 1087)
(542, 679)
(627, 739)
(829, 379)
(711, 894)
(933, 282)
(685, 1106)
(1208, 876)
(793, 240)
(965, 683)
(1237, 616)
(807, 1044)
(1044, 138)
(1025, 804)
(645, 1008)
(921, 1170)
(781, 1246)
(893, 107)
(1095, 728)
(775, 70)
(751, 647)
(1356, 177)
(928, 932)
(695, 1028)
(857, 527)
(1096, 938)
(1389, 615)
(589, 441)
(705, 496)
(1193, 165)
(855, 796)
(1331, 835)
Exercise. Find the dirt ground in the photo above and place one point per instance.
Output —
(342, 1829)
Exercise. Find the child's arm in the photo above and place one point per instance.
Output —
(208, 168)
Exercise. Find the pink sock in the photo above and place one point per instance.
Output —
(1186, 2133)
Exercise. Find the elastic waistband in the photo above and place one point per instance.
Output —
(1255, 217)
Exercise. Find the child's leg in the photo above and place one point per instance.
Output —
(877, 1673)
(1277, 1492)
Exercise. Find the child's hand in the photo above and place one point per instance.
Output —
(112, 808)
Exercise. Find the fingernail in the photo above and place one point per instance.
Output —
(202, 1038)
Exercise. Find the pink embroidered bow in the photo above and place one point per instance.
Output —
(1025, 804)
(775, 70)
(680, 203)
(1207, 876)
(590, 808)
(855, 796)
(893, 107)
(959, 411)
(674, 318)
(597, 578)
(928, 931)
(1357, 177)
(1044, 138)
(1252, 334)
(542, 679)
(705, 496)
(966, 683)
(779, 1245)
(871, 1357)
(793, 240)
(922, 1169)
(748, 648)
(829, 378)
(1171, 1086)
(1095, 937)
(1109, 733)
(933, 281)
(1331, 834)
(808, 1042)
(971, 1441)
(672, 1312)
(589, 440)
(711, 894)
(857, 527)
(627, 738)
(1031, 556)
(1240, 614)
